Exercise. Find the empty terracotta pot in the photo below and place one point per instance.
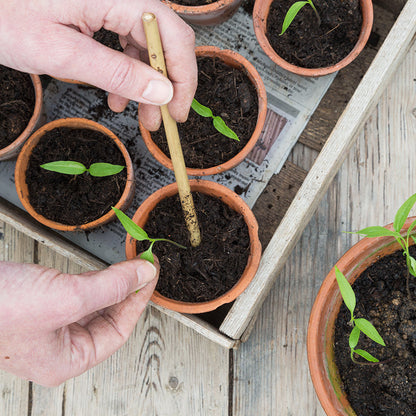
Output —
(237, 204)
(13, 149)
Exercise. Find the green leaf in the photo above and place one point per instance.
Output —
(368, 329)
(403, 213)
(132, 228)
(67, 167)
(410, 229)
(354, 337)
(411, 264)
(201, 109)
(378, 231)
(366, 355)
(148, 255)
(346, 290)
(220, 125)
(413, 238)
(104, 169)
(291, 14)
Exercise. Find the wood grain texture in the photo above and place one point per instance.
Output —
(378, 175)
(322, 172)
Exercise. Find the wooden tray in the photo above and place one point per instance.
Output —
(291, 197)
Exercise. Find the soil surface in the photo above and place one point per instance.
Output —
(229, 93)
(74, 199)
(202, 273)
(387, 388)
(308, 44)
(17, 102)
(108, 38)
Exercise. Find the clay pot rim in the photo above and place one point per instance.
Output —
(211, 188)
(242, 63)
(22, 161)
(203, 9)
(260, 15)
(12, 149)
(324, 373)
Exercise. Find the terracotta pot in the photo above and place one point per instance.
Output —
(260, 15)
(237, 204)
(23, 160)
(74, 81)
(13, 149)
(209, 14)
(235, 60)
(320, 341)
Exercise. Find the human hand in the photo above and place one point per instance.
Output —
(55, 326)
(55, 38)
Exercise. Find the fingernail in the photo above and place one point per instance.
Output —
(158, 92)
(146, 272)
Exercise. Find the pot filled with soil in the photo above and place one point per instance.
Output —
(346, 379)
(70, 201)
(106, 38)
(323, 37)
(199, 279)
(20, 108)
(231, 88)
(204, 12)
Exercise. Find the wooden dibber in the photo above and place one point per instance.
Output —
(157, 61)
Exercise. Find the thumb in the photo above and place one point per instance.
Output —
(89, 292)
(110, 70)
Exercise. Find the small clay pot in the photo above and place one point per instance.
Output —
(13, 149)
(320, 340)
(260, 15)
(206, 15)
(237, 204)
(23, 161)
(235, 60)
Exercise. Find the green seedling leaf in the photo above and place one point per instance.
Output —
(148, 255)
(291, 14)
(354, 337)
(132, 228)
(403, 213)
(104, 169)
(410, 229)
(411, 264)
(220, 125)
(368, 329)
(413, 238)
(366, 355)
(201, 109)
(218, 122)
(66, 167)
(377, 231)
(345, 288)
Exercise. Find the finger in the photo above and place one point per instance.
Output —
(82, 58)
(107, 332)
(150, 116)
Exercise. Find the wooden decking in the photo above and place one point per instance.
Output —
(166, 369)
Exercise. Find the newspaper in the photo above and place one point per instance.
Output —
(291, 101)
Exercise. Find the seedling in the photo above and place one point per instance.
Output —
(399, 220)
(217, 121)
(358, 324)
(140, 235)
(70, 167)
(294, 10)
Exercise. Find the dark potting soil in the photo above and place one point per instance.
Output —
(74, 199)
(17, 102)
(387, 388)
(308, 45)
(108, 38)
(201, 273)
(229, 93)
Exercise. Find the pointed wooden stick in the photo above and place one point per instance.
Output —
(157, 61)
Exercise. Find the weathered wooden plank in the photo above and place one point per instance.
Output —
(379, 173)
(165, 369)
(322, 172)
(14, 392)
